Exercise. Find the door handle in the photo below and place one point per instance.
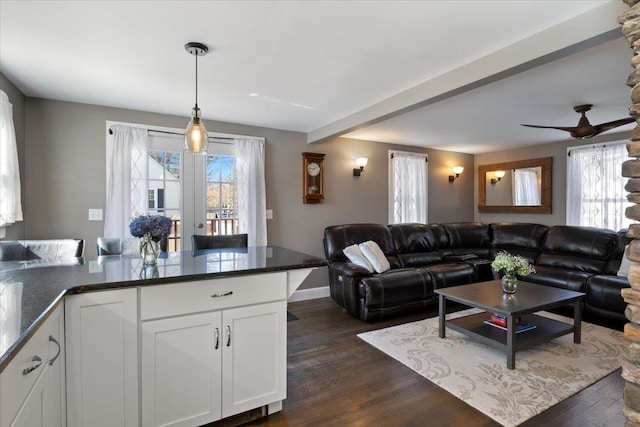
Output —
(228, 336)
(53, 340)
(217, 339)
(222, 294)
(26, 371)
(200, 225)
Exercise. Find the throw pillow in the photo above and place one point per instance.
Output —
(355, 255)
(625, 264)
(376, 257)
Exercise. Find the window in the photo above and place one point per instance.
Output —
(407, 187)
(595, 186)
(221, 195)
(10, 205)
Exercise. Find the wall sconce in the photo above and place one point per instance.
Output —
(457, 170)
(497, 174)
(361, 162)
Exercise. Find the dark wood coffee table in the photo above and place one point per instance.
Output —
(528, 299)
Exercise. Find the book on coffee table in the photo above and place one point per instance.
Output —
(520, 327)
(501, 319)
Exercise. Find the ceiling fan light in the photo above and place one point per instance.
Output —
(196, 139)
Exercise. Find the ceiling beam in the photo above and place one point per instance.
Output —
(574, 35)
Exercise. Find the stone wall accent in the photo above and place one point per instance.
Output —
(630, 21)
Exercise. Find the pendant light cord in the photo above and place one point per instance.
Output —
(196, 80)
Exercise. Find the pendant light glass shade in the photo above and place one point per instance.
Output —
(196, 139)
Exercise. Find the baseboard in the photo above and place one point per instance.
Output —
(311, 293)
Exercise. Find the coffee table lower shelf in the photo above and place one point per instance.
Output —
(474, 327)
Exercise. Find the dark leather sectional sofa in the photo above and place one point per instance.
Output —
(424, 257)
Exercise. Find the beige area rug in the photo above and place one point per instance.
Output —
(478, 374)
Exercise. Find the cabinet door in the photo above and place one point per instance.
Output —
(32, 384)
(102, 358)
(181, 359)
(55, 392)
(33, 411)
(254, 370)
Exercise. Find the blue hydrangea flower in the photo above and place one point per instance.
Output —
(156, 227)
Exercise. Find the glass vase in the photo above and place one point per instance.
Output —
(148, 251)
(509, 283)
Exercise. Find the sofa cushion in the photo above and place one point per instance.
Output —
(559, 278)
(375, 256)
(417, 244)
(338, 237)
(576, 248)
(467, 238)
(445, 275)
(521, 239)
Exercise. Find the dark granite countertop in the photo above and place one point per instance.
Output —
(30, 290)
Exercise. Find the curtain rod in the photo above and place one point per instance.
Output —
(179, 134)
(426, 156)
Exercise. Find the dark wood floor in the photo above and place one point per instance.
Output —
(336, 379)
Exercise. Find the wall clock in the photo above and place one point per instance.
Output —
(312, 172)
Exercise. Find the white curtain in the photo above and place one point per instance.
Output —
(526, 191)
(409, 187)
(127, 183)
(10, 206)
(595, 187)
(250, 182)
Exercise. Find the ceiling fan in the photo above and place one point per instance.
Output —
(584, 128)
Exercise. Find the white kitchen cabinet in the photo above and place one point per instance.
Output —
(200, 367)
(254, 358)
(33, 383)
(102, 358)
(181, 361)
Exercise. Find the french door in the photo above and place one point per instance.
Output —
(196, 191)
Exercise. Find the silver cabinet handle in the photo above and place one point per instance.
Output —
(26, 371)
(228, 336)
(222, 294)
(53, 340)
(217, 338)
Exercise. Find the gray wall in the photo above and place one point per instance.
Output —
(17, 231)
(556, 150)
(65, 154)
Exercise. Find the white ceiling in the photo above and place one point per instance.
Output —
(308, 66)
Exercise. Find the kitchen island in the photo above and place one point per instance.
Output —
(214, 314)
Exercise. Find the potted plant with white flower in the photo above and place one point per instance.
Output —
(511, 266)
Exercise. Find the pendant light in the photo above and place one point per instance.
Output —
(196, 139)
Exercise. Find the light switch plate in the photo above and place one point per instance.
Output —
(269, 213)
(95, 214)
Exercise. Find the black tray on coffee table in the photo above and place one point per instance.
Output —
(528, 299)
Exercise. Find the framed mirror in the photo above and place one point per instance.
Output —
(523, 186)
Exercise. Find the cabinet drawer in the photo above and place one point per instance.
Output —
(19, 377)
(215, 294)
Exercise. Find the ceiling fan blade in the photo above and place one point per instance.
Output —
(565, 128)
(603, 127)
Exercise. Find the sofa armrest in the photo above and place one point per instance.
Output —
(344, 278)
(349, 269)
